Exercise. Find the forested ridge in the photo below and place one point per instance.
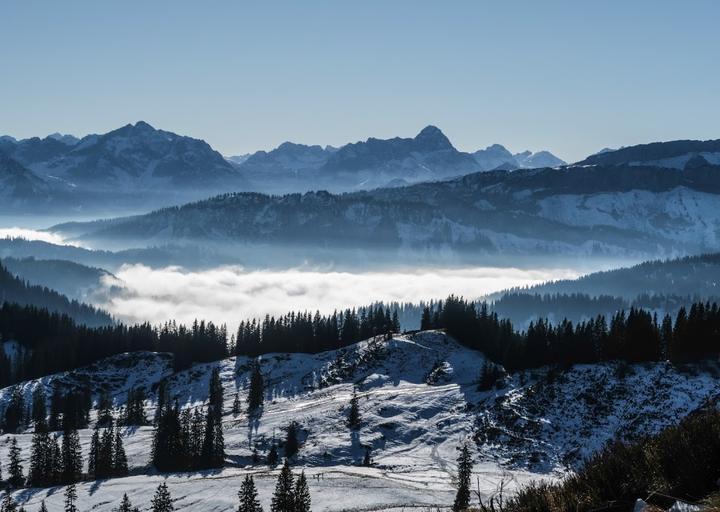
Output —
(15, 290)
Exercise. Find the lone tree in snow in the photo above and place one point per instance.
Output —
(70, 498)
(291, 441)
(162, 501)
(256, 393)
(126, 505)
(354, 413)
(248, 496)
(462, 498)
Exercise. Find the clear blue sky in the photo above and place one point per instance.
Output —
(570, 76)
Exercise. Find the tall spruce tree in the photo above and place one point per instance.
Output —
(40, 473)
(126, 505)
(256, 393)
(215, 398)
(42, 508)
(70, 498)
(162, 501)
(283, 499)
(354, 412)
(72, 462)
(120, 462)
(302, 494)
(8, 504)
(291, 440)
(39, 405)
(464, 472)
(15, 469)
(94, 453)
(248, 496)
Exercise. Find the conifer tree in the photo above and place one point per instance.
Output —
(354, 412)
(15, 469)
(162, 400)
(462, 498)
(120, 463)
(94, 453)
(256, 393)
(8, 504)
(70, 498)
(215, 398)
(291, 441)
(39, 405)
(302, 494)
(248, 496)
(126, 505)
(71, 457)
(272, 458)
(40, 472)
(56, 462)
(236, 404)
(162, 501)
(104, 415)
(42, 508)
(283, 499)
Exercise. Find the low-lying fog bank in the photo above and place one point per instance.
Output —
(228, 294)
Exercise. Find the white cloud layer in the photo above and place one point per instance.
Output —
(32, 234)
(230, 293)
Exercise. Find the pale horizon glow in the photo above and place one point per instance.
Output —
(229, 294)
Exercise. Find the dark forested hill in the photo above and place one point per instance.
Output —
(15, 290)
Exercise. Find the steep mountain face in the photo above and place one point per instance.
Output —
(137, 155)
(357, 166)
(529, 160)
(674, 154)
(616, 210)
(376, 162)
(125, 166)
(18, 184)
(497, 157)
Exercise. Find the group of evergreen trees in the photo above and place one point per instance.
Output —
(305, 332)
(186, 440)
(633, 336)
(68, 410)
(107, 458)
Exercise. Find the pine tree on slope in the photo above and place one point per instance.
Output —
(283, 499)
(248, 496)
(302, 494)
(162, 501)
(462, 498)
(70, 498)
(15, 469)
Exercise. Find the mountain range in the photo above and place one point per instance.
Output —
(618, 209)
(141, 167)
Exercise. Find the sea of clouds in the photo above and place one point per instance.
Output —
(230, 293)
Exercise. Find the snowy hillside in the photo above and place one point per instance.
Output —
(418, 401)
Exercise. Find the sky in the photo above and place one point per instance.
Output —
(572, 77)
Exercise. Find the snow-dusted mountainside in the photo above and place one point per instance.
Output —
(498, 157)
(418, 400)
(672, 154)
(587, 210)
(18, 184)
(362, 165)
(132, 165)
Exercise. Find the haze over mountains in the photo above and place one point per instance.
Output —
(612, 209)
(138, 166)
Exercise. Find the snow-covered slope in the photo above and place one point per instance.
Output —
(418, 400)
